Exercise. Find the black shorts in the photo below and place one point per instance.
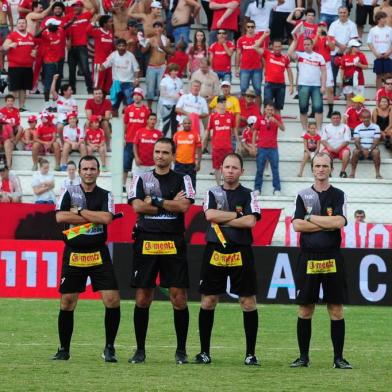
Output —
(362, 12)
(74, 278)
(215, 270)
(163, 254)
(315, 269)
(20, 78)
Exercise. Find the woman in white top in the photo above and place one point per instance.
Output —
(72, 176)
(260, 12)
(170, 92)
(43, 184)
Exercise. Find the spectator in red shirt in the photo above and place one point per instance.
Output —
(101, 107)
(143, 147)
(53, 40)
(95, 140)
(78, 54)
(220, 56)
(20, 47)
(248, 63)
(45, 141)
(24, 7)
(10, 187)
(248, 107)
(305, 29)
(221, 126)
(225, 16)
(135, 118)
(7, 139)
(180, 58)
(267, 147)
(247, 148)
(12, 114)
(276, 64)
(352, 116)
(103, 47)
(197, 51)
(352, 64)
(385, 91)
(312, 142)
(26, 140)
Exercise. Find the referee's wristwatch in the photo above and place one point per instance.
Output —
(80, 209)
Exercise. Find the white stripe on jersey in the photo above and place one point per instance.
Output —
(60, 200)
(206, 201)
(254, 204)
(133, 186)
(189, 191)
(111, 203)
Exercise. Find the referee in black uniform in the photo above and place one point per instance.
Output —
(319, 215)
(232, 211)
(160, 198)
(87, 210)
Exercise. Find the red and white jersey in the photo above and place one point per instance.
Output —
(95, 136)
(250, 59)
(312, 140)
(73, 134)
(103, 43)
(383, 92)
(12, 115)
(305, 30)
(335, 135)
(21, 55)
(380, 38)
(28, 4)
(267, 132)
(354, 116)
(145, 140)
(247, 135)
(54, 45)
(221, 61)
(134, 119)
(108, 4)
(65, 106)
(275, 66)
(46, 133)
(309, 68)
(77, 32)
(220, 126)
(348, 63)
(62, 19)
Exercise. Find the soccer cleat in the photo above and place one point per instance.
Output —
(300, 362)
(181, 357)
(251, 360)
(138, 357)
(109, 354)
(61, 355)
(341, 363)
(202, 358)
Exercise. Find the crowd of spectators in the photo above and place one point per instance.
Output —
(188, 76)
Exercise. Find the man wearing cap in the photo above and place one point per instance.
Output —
(366, 137)
(20, 48)
(220, 53)
(352, 116)
(54, 42)
(131, 36)
(158, 47)
(45, 140)
(380, 43)
(125, 74)
(95, 140)
(208, 78)
(247, 148)
(77, 36)
(147, 19)
(135, 118)
(101, 107)
(103, 46)
(182, 18)
(312, 77)
(342, 30)
(10, 187)
(386, 90)
(7, 139)
(248, 107)
(188, 150)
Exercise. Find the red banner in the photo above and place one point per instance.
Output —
(354, 235)
(31, 269)
(31, 221)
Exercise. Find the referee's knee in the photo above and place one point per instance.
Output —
(248, 304)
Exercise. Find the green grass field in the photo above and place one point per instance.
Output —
(28, 337)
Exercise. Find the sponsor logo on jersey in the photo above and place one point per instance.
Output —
(85, 259)
(159, 248)
(321, 266)
(226, 260)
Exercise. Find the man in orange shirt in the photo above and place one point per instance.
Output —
(188, 150)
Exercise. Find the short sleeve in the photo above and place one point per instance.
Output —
(252, 206)
(300, 210)
(64, 202)
(108, 203)
(136, 190)
(340, 208)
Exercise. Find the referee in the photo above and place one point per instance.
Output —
(87, 210)
(232, 211)
(320, 213)
(160, 198)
